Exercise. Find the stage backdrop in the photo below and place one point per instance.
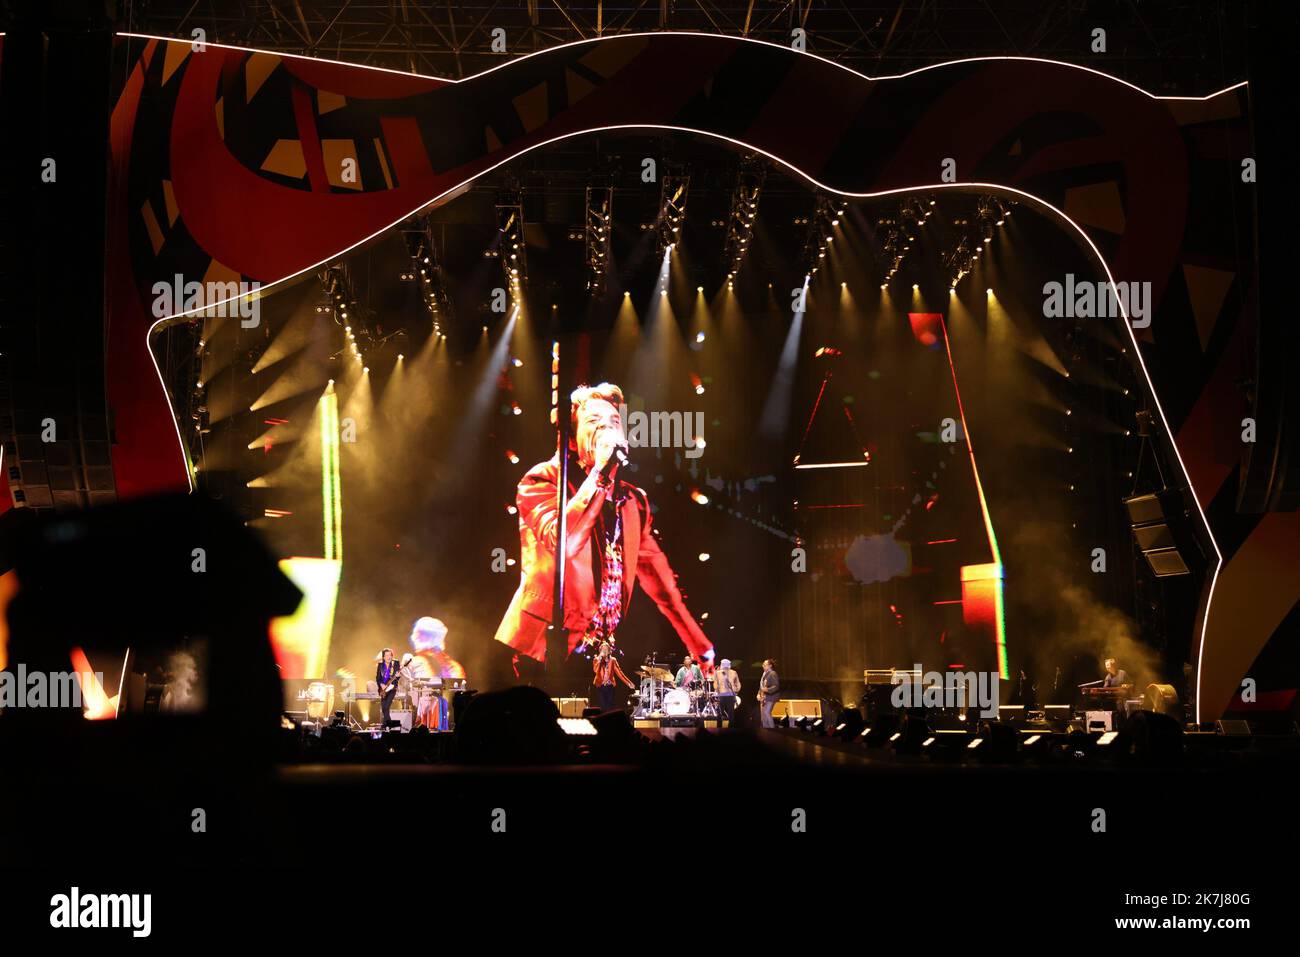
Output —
(227, 165)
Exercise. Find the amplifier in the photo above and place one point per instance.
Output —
(1100, 720)
(797, 708)
(570, 707)
(405, 716)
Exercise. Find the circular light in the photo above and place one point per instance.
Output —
(989, 291)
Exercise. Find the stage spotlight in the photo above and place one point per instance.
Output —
(704, 556)
(699, 289)
(699, 337)
(915, 287)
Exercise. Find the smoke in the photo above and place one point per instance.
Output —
(184, 692)
(1060, 622)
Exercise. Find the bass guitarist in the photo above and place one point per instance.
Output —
(386, 675)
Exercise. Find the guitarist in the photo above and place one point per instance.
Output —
(386, 675)
(769, 692)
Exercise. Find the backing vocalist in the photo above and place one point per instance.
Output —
(610, 542)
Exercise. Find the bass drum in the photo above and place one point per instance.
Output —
(677, 702)
(1162, 699)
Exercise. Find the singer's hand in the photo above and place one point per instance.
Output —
(607, 442)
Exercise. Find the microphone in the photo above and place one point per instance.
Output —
(618, 458)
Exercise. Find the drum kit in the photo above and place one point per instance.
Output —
(657, 696)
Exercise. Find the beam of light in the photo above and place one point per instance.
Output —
(776, 410)
(330, 476)
(295, 335)
(992, 575)
(474, 417)
(292, 383)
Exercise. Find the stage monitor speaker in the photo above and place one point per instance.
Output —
(1057, 713)
(1232, 726)
(1011, 713)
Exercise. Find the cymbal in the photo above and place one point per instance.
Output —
(659, 674)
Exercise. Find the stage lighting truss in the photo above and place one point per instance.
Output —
(673, 191)
(743, 216)
(598, 236)
(991, 213)
(510, 248)
(974, 234)
(359, 334)
(426, 269)
(896, 233)
(960, 260)
(822, 226)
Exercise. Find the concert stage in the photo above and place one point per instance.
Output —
(650, 438)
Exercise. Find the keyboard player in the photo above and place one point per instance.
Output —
(1116, 677)
(1113, 687)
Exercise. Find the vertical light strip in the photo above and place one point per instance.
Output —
(999, 604)
(331, 497)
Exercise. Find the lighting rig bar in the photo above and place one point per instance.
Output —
(975, 233)
(821, 232)
(510, 246)
(742, 216)
(361, 336)
(673, 192)
(427, 269)
(598, 233)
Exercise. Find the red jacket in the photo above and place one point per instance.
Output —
(524, 625)
(613, 669)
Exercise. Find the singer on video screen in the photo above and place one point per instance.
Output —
(610, 542)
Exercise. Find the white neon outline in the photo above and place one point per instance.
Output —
(678, 33)
(1029, 198)
(121, 684)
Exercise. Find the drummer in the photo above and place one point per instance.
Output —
(689, 675)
